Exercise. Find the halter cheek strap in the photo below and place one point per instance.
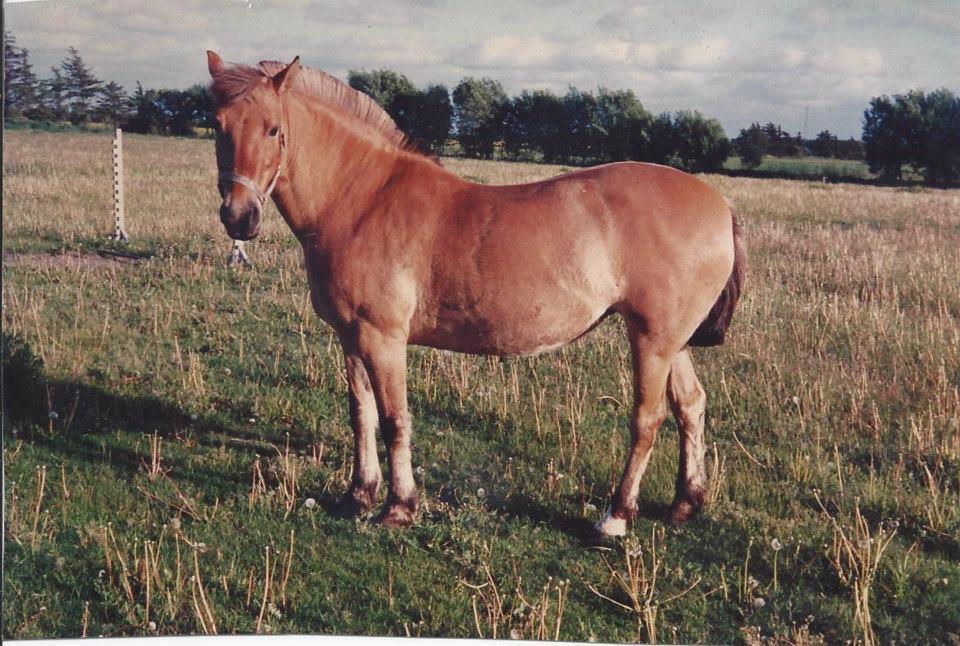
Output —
(249, 184)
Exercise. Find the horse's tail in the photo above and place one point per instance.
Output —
(714, 327)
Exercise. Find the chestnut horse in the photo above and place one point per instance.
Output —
(400, 251)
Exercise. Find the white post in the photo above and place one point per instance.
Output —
(119, 233)
(237, 255)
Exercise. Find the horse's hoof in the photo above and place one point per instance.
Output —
(358, 501)
(398, 514)
(685, 507)
(611, 526)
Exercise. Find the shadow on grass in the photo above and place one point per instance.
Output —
(87, 415)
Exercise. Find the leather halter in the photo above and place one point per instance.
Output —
(249, 184)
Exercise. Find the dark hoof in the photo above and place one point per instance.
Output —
(357, 502)
(685, 507)
(398, 514)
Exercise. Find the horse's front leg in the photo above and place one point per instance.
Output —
(365, 483)
(385, 357)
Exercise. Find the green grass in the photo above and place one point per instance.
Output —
(839, 382)
(814, 168)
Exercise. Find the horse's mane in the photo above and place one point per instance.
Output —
(236, 79)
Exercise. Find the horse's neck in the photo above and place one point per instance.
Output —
(334, 174)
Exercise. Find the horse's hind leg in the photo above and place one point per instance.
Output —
(650, 371)
(688, 401)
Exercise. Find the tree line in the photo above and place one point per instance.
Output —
(73, 93)
(576, 127)
(916, 132)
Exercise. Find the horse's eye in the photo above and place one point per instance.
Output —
(274, 130)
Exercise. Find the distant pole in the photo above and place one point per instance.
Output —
(237, 255)
(119, 233)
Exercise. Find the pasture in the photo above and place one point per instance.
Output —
(172, 467)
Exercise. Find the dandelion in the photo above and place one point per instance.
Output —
(193, 417)
(777, 546)
(796, 400)
(227, 371)
(515, 634)
(54, 415)
(481, 493)
(758, 603)
(590, 507)
(152, 626)
(252, 420)
(310, 503)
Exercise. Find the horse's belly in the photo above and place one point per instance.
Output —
(517, 329)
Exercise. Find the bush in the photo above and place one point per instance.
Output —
(752, 145)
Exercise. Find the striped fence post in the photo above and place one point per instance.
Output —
(119, 233)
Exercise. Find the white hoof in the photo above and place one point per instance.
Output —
(611, 526)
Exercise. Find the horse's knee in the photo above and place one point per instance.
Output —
(395, 428)
(644, 424)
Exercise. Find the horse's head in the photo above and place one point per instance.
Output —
(250, 131)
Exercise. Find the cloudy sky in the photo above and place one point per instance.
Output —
(807, 65)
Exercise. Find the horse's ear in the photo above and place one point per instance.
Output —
(214, 63)
(283, 80)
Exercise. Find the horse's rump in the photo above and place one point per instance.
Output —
(713, 330)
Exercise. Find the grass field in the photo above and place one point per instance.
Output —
(811, 168)
(159, 465)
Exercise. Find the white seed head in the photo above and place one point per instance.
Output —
(776, 544)
(309, 503)
(759, 602)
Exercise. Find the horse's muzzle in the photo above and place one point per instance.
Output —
(241, 218)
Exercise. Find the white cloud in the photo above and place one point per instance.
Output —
(704, 54)
(849, 61)
(514, 51)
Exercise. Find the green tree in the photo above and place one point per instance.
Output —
(663, 141)
(146, 117)
(701, 144)
(892, 134)
(534, 125)
(20, 87)
(581, 134)
(113, 104)
(752, 144)
(433, 118)
(624, 126)
(479, 108)
(825, 145)
(53, 95)
(424, 116)
(939, 150)
(81, 86)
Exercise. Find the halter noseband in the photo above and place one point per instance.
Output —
(249, 184)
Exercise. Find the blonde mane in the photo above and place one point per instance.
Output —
(234, 81)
